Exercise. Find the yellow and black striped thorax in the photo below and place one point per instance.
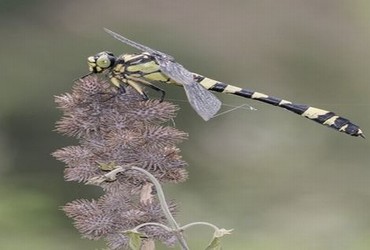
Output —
(136, 67)
(127, 66)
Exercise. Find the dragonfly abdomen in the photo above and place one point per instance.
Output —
(321, 116)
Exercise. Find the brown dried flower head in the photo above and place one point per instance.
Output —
(121, 130)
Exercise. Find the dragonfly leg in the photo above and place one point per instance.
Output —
(138, 88)
(163, 93)
(145, 96)
(121, 89)
(150, 85)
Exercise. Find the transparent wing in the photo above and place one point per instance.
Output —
(138, 45)
(203, 102)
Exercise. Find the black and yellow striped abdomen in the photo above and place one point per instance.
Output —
(321, 116)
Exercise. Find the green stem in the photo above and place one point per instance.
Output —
(168, 229)
(199, 223)
(162, 200)
(161, 197)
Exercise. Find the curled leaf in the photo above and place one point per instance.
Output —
(134, 239)
(215, 244)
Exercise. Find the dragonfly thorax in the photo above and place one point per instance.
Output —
(101, 61)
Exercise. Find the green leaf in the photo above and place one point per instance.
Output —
(135, 239)
(215, 244)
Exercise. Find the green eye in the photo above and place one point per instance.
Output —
(103, 61)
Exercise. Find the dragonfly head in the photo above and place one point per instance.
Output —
(101, 61)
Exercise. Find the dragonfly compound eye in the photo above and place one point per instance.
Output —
(100, 61)
(103, 61)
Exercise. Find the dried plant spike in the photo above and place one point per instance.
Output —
(118, 129)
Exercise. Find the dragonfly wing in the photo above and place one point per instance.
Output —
(138, 46)
(203, 101)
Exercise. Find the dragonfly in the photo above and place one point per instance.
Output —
(150, 67)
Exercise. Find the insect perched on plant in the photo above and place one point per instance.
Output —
(152, 66)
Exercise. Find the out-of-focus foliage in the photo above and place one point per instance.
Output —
(280, 181)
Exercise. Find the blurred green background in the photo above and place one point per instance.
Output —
(281, 181)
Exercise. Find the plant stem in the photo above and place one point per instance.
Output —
(199, 223)
(162, 199)
(153, 224)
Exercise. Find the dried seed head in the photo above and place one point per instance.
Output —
(115, 129)
(115, 213)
